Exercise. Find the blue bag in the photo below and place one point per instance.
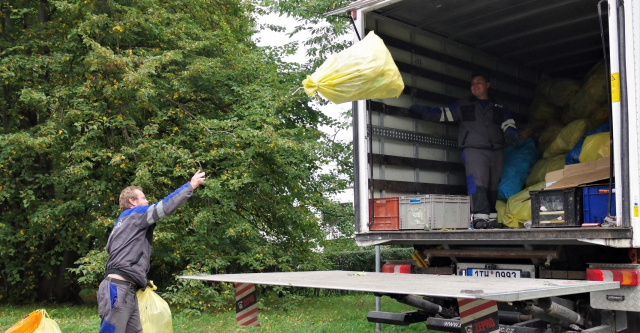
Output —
(518, 161)
(573, 157)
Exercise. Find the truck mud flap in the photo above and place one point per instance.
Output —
(453, 325)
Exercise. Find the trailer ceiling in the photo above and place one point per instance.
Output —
(560, 38)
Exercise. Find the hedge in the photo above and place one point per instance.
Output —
(365, 260)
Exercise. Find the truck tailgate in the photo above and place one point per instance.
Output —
(502, 290)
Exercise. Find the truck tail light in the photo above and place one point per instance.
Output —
(402, 269)
(626, 277)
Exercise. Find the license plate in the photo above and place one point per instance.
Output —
(496, 273)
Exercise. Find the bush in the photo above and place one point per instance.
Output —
(365, 260)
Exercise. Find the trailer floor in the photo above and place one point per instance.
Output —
(614, 237)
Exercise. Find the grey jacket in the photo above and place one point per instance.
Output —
(129, 245)
(481, 125)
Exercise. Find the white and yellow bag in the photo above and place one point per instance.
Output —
(363, 71)
(155, 314)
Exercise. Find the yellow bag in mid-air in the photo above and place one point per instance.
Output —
(155, 314)
(363, 71)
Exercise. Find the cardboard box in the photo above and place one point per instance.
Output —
(578, 174)
(553, 176)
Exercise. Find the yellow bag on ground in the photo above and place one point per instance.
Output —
(518, 210)
(48, 325)
(155, 314)
(568, 137)
(363, 71)
(595, 147)
(539, 170)
(36, 322)
(28, 324)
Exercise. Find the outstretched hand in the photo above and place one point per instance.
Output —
(197, 179)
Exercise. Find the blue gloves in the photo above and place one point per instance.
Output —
(512, 136)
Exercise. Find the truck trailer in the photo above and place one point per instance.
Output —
(547, 279)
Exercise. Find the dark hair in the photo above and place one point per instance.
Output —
(483, 75)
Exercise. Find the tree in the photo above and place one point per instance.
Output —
(101, 94)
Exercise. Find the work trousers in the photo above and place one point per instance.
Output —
(118, 307)
(484, 169)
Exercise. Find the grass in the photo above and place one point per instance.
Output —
(306, 314)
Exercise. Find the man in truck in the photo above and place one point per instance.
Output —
(129, 249)
(486, 127)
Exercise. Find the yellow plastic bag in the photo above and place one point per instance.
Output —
(155, 314)
(28, 324)
(501, 208)
(36, 322)
(518, 210)
(595, 147)
(539, 170)
(48, 325)
(541, 110)
(547, 136)
(591, 96)
(568, 137)
(363, 71)
(601, 115)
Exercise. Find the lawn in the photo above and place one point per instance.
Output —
(308, 314)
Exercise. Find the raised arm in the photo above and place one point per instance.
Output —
(173, 201)
(438, 115)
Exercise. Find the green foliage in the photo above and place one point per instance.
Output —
(99, 95)
(327, 32)
(365, 260)
(327, 314)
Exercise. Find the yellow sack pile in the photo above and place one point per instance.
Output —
(547, 136)
(518, 208)
(541, 110)
(601, 115)
(593, 95)
(539, 170)
(595, 147)
(155, 314)
(567, 138)
(36, 322)
(559, 91)
(363, 71)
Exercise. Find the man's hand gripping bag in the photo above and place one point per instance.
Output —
(155, 314)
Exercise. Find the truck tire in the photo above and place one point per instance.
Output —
(633, 322)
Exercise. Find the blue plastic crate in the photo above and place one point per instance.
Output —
(595, 203)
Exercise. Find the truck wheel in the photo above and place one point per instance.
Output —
(633, 322)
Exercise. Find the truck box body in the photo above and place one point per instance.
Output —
(437, 44)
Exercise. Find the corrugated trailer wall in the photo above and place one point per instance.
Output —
(411, 156)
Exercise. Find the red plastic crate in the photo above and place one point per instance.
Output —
(385, 214)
